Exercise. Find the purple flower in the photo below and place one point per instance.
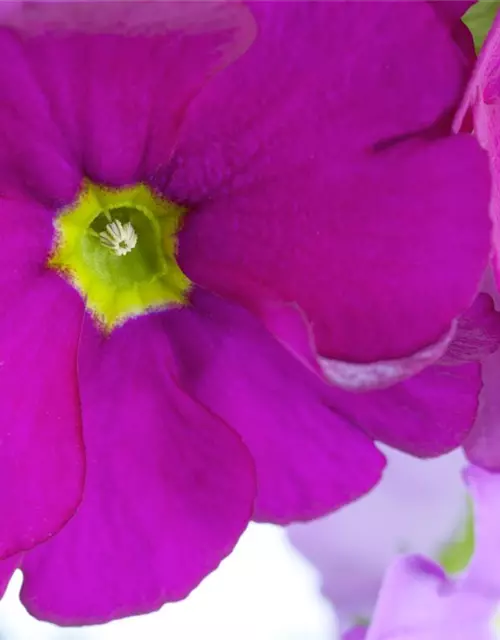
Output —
(482, 102)
(418, 601)
(481, 445)
(480, 109)
(418, 507)
(197, 199)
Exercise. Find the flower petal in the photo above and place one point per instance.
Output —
(483, 572)
(482, 446)
(426, 415)
(289, 326)
(453, 9)
(409, 607)
(417, 506)
(169, 488)
(357, 633)
(482, 100)
(34, 156)
(26, 243)
(7, 568)
(477, 335)
(418, 601)
(41, 453)
(309, 459)
(355, 376)
(111, 83)
(287, 187)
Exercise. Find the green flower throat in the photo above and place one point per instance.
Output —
(118, 248)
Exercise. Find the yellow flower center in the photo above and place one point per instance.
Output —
(118, 248)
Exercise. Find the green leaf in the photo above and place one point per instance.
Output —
(479, 19)
(455, 556)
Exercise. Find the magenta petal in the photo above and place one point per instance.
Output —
(34, 155)
(482, 100)
(357, 633)
(297, 146)
(7, 568)
(426, 415)
(483, 443)
(41, 453)
(169, 488)
(451, 11)
(477, 334)
(482, 446)
(26, 243)
(309, 459)
(289, 326)
(109, 83)
(7, 9)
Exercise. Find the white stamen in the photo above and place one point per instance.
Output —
(120, 238)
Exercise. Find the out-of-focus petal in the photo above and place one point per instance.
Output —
(417, 507)
(418, 601)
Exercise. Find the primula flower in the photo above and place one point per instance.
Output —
(482, 102)
(419, 507)
(418, 601)
(480, 108)
(198, 200)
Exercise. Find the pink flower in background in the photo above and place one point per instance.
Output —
(482, 445)
(419, 507)
(295, 191)
(481, 109)
(418, 601)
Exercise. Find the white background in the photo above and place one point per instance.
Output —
(263, 591)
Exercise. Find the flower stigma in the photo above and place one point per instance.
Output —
(118, 248)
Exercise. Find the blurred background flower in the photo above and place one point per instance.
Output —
(419, 506)
(419, 601)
